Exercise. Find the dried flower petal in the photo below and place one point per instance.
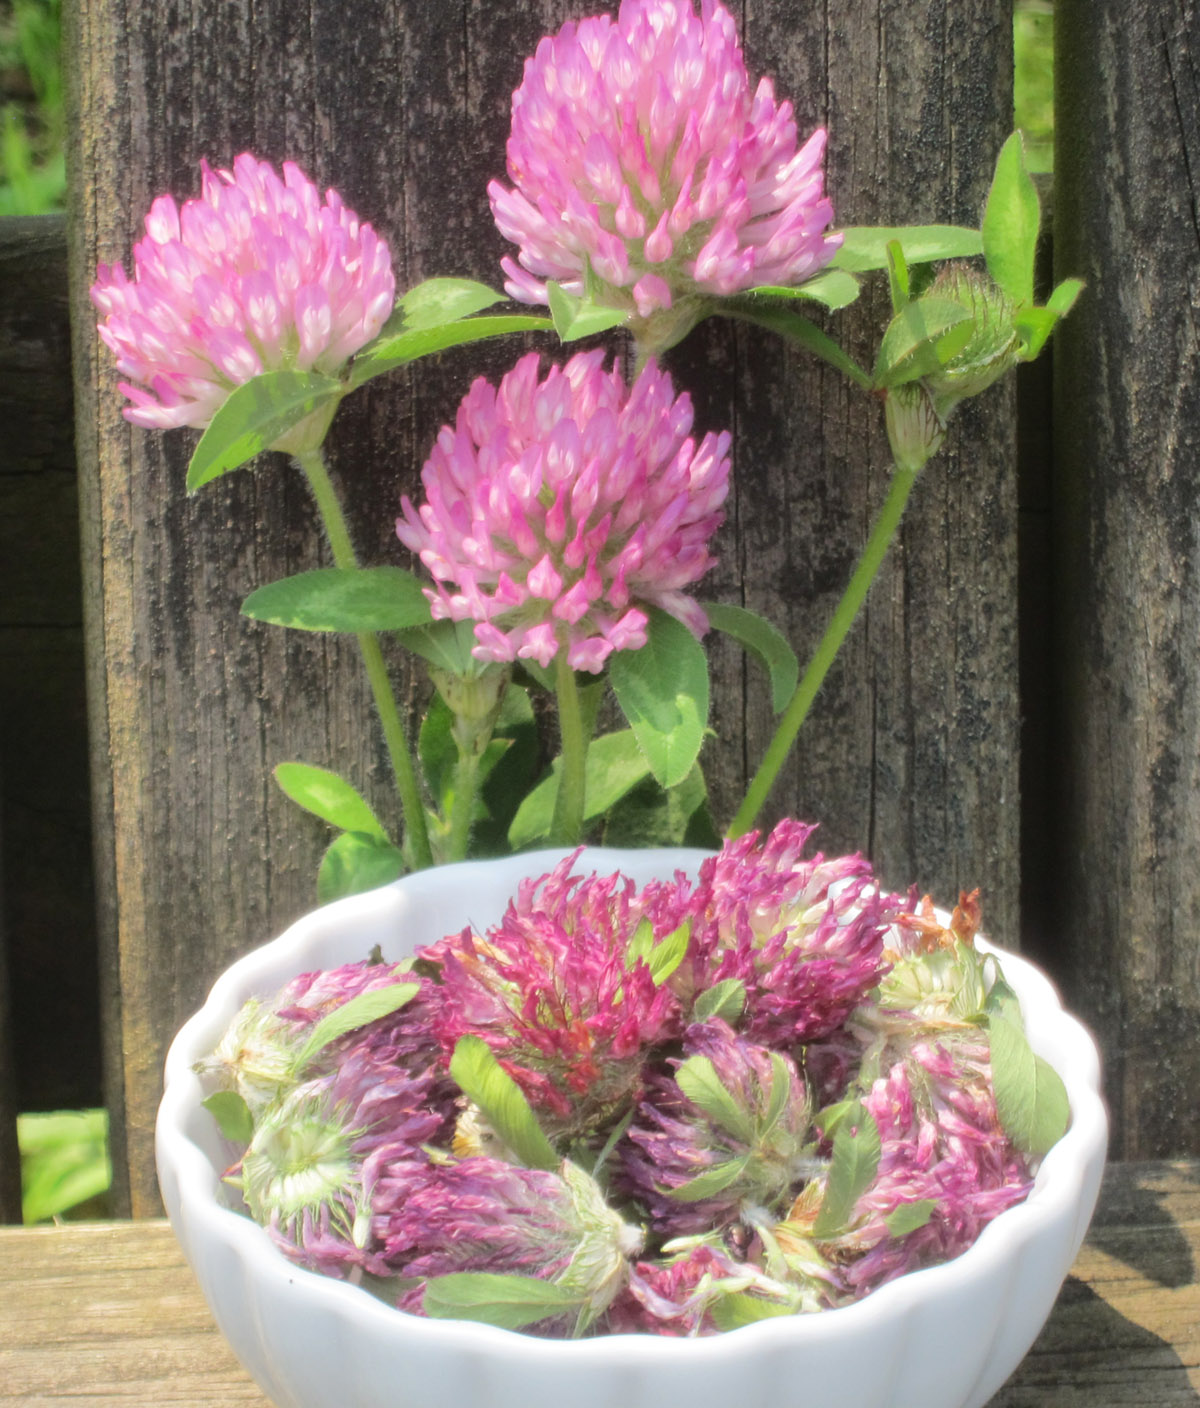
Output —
(310, 1172)
(257, 1055)
(486, 1215)
(942, 1143)
(552, 991)
(805, 936)
(676, 1140)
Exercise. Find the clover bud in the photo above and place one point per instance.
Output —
(486, 1215)
(474, 698)
(730, 1133)
(915, 430)
(992, 347)
(310, 1172)
(266, 1049)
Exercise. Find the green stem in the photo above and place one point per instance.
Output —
(843, 618)
(416, 838)
(567, 827)
(466, 784)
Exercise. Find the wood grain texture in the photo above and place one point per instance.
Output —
(108, 1315)
(1125, 1332)
(1127, 507)
(100, 1315)
(912, 752)
(35, 396)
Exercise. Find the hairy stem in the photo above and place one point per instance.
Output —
(835, 633)
(416, 838)
(568, 807)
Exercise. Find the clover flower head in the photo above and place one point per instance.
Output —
(942, 1146)
(487, 1215)
(255, 275)
(310, 1171)
(804, 935)
(553, 991)
(559, 510)
(675, 1296)
(695, 1161)
(642, 160)
(259, 1052)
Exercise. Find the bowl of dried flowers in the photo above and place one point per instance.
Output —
(644, 1127)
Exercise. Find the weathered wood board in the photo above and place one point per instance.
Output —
(1127, 510)
(108, 1316)
(47, 911)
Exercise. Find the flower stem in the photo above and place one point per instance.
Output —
(416, 838)
(843, 618)
(568, 807)
(466, 785)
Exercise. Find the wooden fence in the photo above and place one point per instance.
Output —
(1081, 594)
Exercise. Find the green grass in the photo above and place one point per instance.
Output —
(32, 122)
(65, 1169)
(1033, 80)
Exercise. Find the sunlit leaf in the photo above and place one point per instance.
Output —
(352, 599)
(255, 416)
(437, 302)
(698, 1079)
(908, 1217)
(482, 1079)
(712, 1181)
(769, 647)
(615, 764)
(909, 346)
(738, 1308)
(328, 796)
(578, 317)
(856, 1153)
(360, 1011)
(726, 999)
(663, 692)
(232, 1115)
(834, 288)
(797, 329)
(1031, 1099)
(1010, 223)
(354, 863)
(511, 1302)
(864, 247)
(407, 346)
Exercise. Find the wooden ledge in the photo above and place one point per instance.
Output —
(106, 1315)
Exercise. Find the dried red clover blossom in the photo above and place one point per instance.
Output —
(655, 1142)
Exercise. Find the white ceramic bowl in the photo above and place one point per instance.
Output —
(946, 1337)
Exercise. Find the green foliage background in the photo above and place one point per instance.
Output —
(1033, 80)
(32, 122)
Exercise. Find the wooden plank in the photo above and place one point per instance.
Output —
(1126, 1330)
(100, 1315)
(108, 1316)
(35, 385)
(48, 902)
(1128, 590)
(912, 754)
(47, 930)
